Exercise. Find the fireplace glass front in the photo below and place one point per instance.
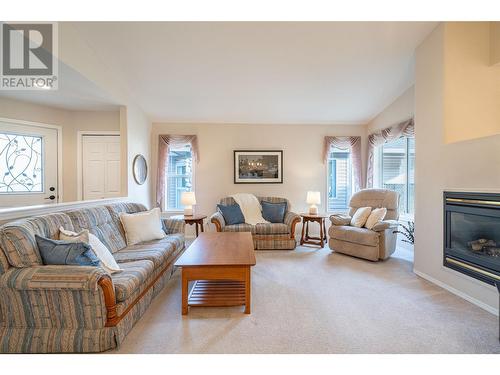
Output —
(472, 235)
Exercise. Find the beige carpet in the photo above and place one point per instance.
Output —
(315, 301)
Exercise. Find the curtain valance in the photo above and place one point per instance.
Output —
(353, 144)
(403, 129)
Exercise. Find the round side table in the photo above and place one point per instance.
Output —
(194, 219)
(306, 239)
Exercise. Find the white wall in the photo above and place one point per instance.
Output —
(471, 84)
(71, 122)
(398, 111)
(470, 165)
(134, 125)
(138, 134)
(303, 168)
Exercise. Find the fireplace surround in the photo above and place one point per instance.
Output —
(472, 235)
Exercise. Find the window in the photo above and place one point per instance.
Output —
(397, 169)
(20, 164)
(339, 183)
(179, 175)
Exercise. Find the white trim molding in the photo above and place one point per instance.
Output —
(7, 214)
(457, 292)
(79, 150)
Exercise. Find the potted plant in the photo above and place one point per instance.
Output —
(408, 231)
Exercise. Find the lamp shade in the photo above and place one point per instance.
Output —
(188, 198)
(313, 197)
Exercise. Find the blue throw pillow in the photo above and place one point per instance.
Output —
(232, 214)
(66, 252)
(273, 212)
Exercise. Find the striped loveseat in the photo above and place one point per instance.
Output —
(60, 309)
(266, 236)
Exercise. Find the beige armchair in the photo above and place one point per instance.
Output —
(372, 244)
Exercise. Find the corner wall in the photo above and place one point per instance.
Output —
(469, 165)
(399, 110)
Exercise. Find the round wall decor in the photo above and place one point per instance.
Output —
(140, 169)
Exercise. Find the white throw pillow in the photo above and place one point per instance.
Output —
(142, 226)
(376, 216)
(100, 250)
(360, 216)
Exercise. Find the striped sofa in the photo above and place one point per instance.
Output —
(266, 236)
(69, 309)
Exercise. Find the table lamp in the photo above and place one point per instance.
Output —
(188, 199)
(313, 198)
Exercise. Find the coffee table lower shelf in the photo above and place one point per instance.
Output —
(217, 293)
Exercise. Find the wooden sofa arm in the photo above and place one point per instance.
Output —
(292, 219)
(108, 290)
(218, 220)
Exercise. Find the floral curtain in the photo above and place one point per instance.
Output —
(403, 129)
(353, 144)
(164, 142)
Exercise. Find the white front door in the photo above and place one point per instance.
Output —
(28, 164)
(101, 166)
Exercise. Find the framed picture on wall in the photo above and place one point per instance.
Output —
(258, 167)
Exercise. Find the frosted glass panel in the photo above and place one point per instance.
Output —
(20, 164)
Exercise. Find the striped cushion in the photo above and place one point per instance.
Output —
(98, 221)
(128, 207)
(174, 225)
(157, 251)
(123, 207)
(133, 276)
(272, 228)
(240, 228)
(274, 243)
(17, 239)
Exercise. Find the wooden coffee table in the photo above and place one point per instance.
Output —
(219, 264)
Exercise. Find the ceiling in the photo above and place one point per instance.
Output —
(246, 72)
(255, 72)
(75, 92)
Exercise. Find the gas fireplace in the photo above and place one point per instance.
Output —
(472, 235)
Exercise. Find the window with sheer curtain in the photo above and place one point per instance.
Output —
(395, 170)
(339, 182)
(179, 176)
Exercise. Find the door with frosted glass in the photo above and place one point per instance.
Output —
(28, 164)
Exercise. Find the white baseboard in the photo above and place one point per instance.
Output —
(457, 292)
